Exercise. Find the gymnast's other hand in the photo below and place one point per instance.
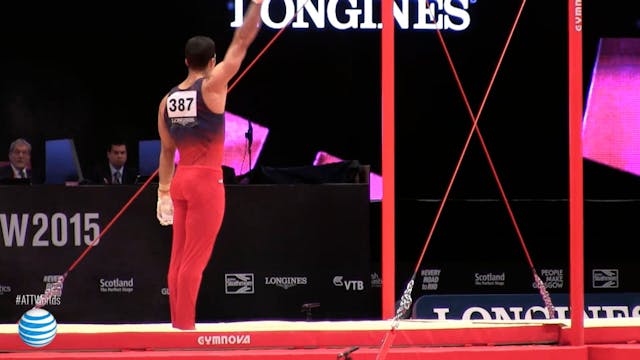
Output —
(164, 208)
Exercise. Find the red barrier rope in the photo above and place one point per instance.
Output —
(406, 301)
(541, 287)
(56, 288)
(476, 129)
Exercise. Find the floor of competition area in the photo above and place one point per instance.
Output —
(605, 339)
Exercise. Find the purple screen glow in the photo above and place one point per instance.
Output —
(235, 143)
(611, 125)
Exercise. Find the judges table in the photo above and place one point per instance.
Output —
(281, 246)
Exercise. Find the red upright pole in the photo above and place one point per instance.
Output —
(576, 197)
(388, 160)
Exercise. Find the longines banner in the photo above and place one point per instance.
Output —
(359, 14)
(523, 306)
(280, 247)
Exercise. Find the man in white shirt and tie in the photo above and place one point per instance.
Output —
(19, 161)
(116, 171)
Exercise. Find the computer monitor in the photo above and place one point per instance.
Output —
(148, 157)
(61, 162)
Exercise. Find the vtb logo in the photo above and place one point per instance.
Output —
(349, 285)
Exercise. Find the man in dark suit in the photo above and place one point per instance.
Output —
(115, 171)
(19, 166)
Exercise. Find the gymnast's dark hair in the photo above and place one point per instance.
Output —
(198, 51)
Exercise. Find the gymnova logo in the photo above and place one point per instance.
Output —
(37, 327)
(233, 339)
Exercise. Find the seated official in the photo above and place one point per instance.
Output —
(115, 170)
(19, 166)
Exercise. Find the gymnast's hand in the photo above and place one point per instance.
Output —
(164, 208)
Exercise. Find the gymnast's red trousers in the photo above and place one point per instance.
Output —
(198, 209)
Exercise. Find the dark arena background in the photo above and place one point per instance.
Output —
(71, 71)
(93, 72)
